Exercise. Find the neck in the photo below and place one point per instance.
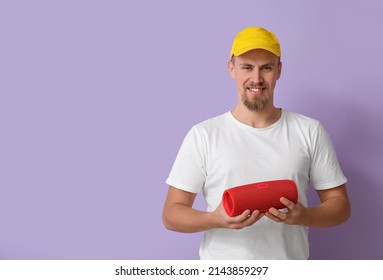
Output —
(257, 119)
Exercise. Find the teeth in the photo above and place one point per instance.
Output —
(255, 89)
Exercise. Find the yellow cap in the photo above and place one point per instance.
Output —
(255, 37)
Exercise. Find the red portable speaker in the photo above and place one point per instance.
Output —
(258, 196)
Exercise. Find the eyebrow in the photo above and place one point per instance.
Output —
(249, 64)
(246, 64)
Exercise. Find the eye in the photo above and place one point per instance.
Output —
(247, 67)
(267, 68)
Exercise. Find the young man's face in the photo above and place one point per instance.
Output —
(256, 73)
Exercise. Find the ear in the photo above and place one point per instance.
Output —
(230, 66)
(279, 70)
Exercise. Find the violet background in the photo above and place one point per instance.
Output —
(96, 97)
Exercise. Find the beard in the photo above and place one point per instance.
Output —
(256, 103)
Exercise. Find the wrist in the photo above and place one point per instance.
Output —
(309, 217)
(212, 220)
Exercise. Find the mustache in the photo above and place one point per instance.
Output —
(255, 85)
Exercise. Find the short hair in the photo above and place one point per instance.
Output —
(233, 59)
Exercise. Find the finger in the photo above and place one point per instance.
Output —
(277, 215)
(288, 203)
(240, 218)
(255, 216)
(272, 217)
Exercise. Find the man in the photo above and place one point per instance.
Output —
(255, 142)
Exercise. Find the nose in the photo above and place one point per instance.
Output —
(256, 76)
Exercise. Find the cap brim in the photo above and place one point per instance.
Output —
(245, 49)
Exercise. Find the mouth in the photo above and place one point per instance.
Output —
(256, 90)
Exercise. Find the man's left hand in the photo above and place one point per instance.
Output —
(295, 214)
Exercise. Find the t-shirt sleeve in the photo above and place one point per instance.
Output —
(189, 169)
(325, 171)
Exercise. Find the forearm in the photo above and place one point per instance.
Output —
(181, 218)
(331, 212)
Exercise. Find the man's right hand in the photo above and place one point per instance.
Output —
(243, 220)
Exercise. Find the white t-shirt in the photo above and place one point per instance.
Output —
(222, 152)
